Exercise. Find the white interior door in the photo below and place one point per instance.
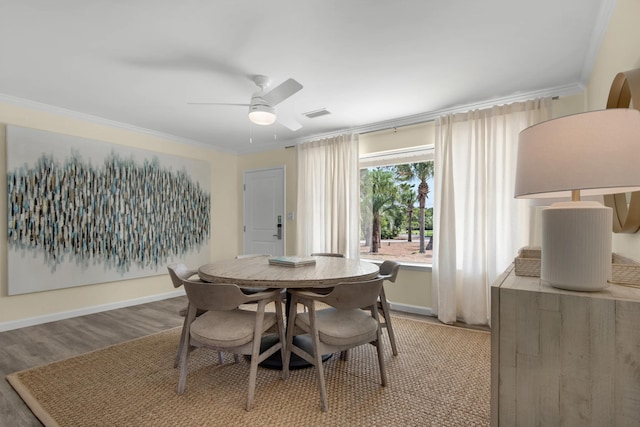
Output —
(264, 221)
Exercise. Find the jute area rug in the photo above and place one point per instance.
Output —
(440, 377)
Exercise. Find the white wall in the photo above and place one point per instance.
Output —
(23, 310)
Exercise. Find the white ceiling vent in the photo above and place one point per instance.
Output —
(317, 113)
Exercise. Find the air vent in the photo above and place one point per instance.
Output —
(317, 113)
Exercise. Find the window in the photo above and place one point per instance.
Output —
(392, 216)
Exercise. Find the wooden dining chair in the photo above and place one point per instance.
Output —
(226, 327)
(179, 273)
(245, 256)
(342, 326)
(388, 271)
(327, 254)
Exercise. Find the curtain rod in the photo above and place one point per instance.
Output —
(395, 128)
(555, 93)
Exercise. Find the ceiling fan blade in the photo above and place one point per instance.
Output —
(288, 122)
(188, 61)
(217, 103)
(282, 92)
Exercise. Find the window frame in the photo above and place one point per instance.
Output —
(416, 154)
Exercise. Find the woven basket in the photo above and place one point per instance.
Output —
(527, 263)
(625, 271)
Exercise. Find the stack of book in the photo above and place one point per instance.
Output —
(292, 261)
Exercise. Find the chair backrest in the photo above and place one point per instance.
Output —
(352, 295)
(389, 270)
(178, 273)
(333, 254)
(213, 296)
(251, 256)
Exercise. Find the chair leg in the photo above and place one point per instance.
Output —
(386, 313)
(181, 344)
(320, 371)
(383, 370)
(317, 357)
(255, 353)
(253, 373)
(291, 320)
(378, 344)
(281, 335)
(184, 361)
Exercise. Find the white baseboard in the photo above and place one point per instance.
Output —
(414, 309)
(31, 321)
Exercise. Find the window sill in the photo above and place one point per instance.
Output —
(404, 265)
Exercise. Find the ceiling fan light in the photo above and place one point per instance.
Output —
(262, 114)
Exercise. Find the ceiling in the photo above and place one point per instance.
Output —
(371, 64)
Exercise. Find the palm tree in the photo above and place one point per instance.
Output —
(395, 216)
(382, 196)
(407, 197)
(421, 171)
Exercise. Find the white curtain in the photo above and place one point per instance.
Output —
(479, 225)
(329, 196)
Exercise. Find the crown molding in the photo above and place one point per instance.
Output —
(46, 108)
(566, 90)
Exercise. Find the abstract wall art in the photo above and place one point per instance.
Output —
(82, 211)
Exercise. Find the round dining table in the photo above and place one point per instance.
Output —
(257, 272)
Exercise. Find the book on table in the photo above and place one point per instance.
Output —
(292, 261)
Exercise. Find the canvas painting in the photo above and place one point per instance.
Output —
(82, 211)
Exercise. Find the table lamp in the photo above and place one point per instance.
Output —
(591, 153)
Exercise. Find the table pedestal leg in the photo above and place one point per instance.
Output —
(275, 360)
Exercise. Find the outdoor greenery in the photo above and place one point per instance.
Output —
(388, 197)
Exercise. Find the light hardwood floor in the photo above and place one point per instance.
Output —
(38, 345)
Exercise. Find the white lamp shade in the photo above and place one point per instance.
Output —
(596, 152)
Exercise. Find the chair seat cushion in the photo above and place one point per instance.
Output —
(228, 329)
(342, 327)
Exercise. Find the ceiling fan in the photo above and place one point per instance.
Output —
(262, 106)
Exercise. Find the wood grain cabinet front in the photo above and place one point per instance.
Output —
(564, 358)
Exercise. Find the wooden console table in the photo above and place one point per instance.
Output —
(564, 358)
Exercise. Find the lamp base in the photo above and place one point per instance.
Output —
(576, 246)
